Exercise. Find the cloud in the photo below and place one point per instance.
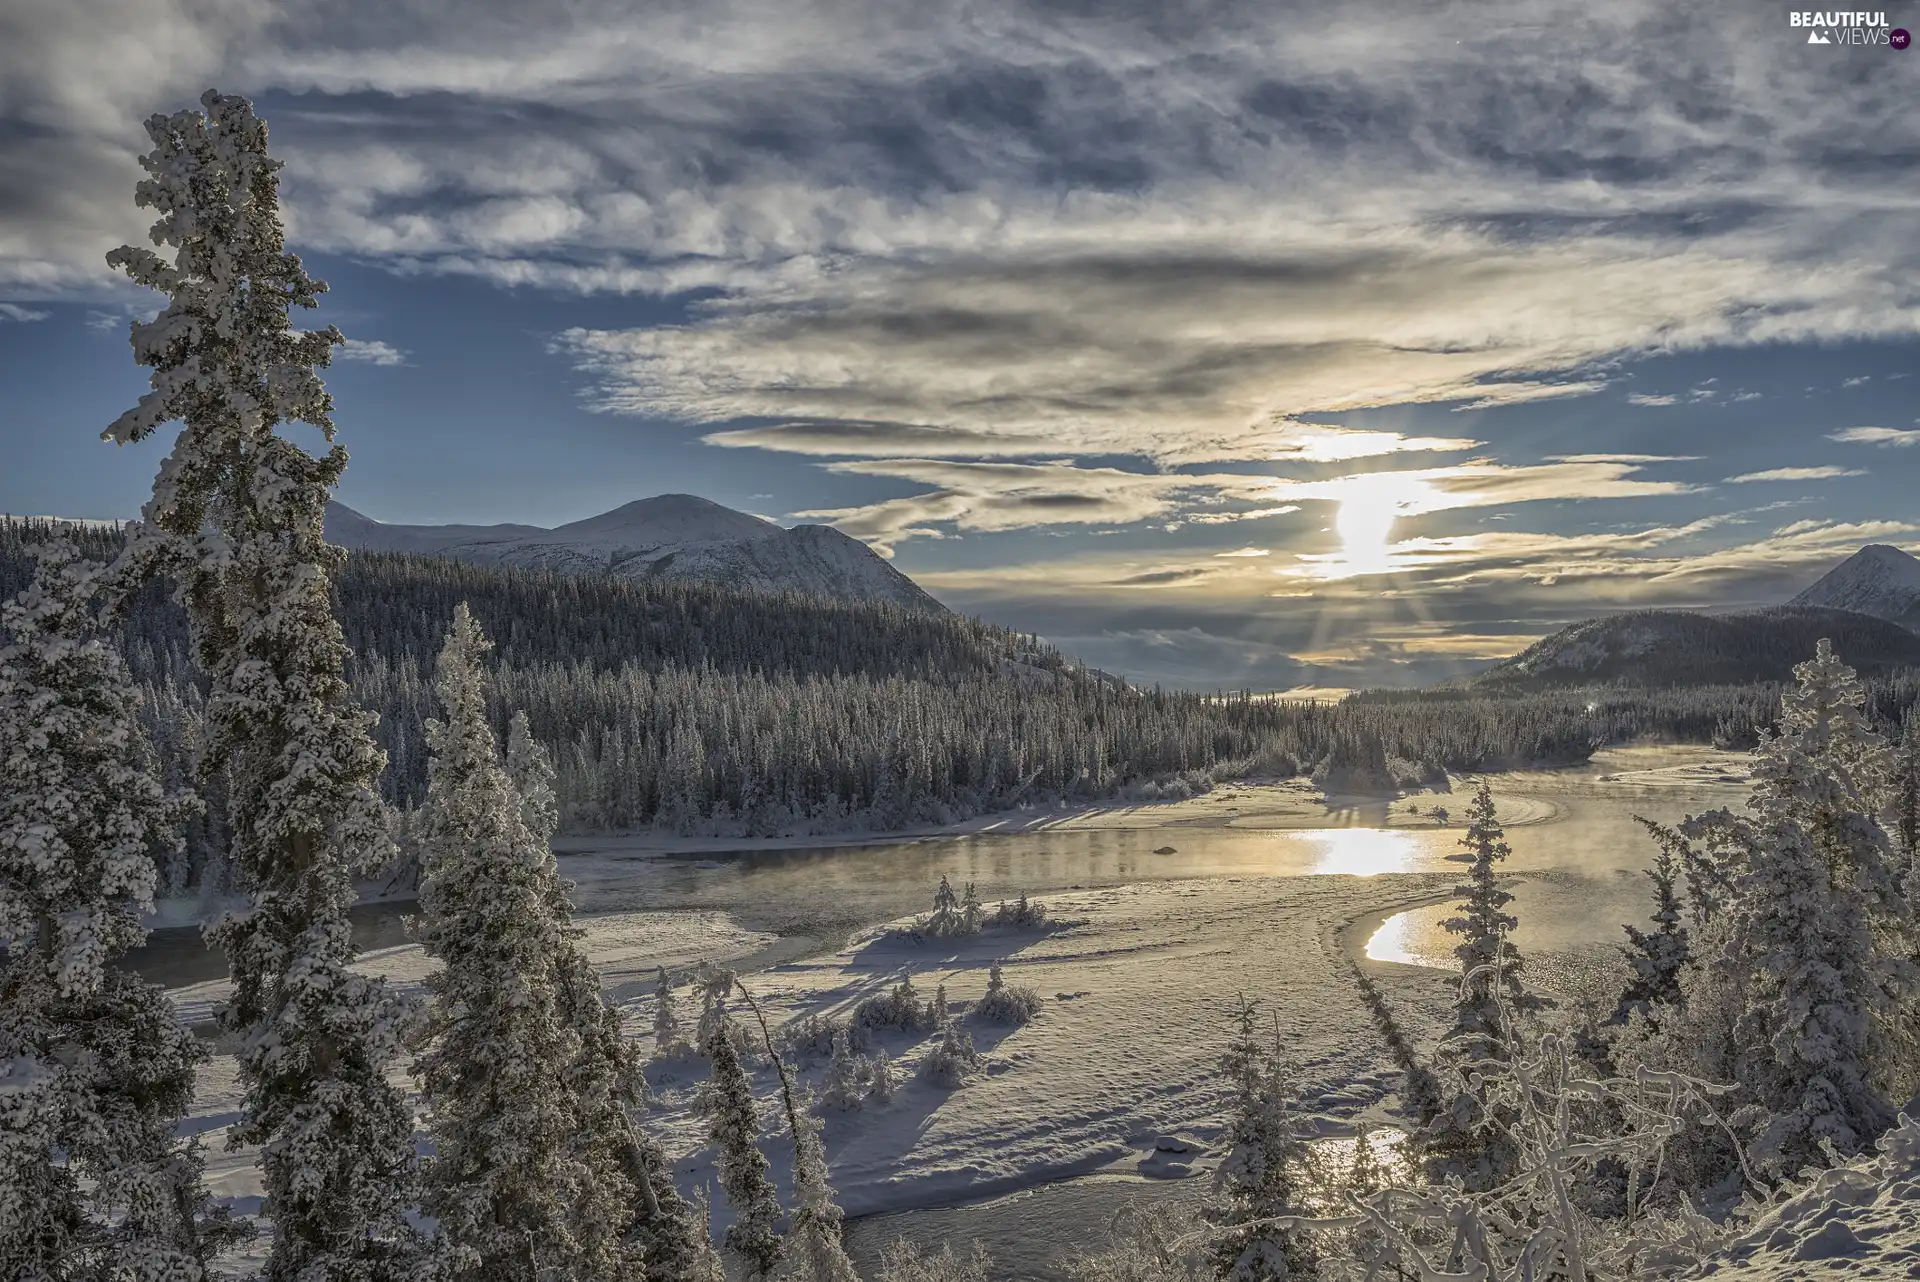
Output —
(877, 440)
(1881, 436)
(995, 497)
(1643, 398)
(1326, 443)
(369, 351)
(1822, 473)
(22, 315)
(1246, 552)
(1484, 483)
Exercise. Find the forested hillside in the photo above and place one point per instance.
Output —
(704, 709)
(1657, 648)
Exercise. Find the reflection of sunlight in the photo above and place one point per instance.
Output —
(1385, 1142)
(1398, 940)
(1363, 852)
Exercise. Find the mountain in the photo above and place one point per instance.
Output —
(673, 537)
(1662, 648)
(1879, 580)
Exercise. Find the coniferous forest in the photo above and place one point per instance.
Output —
(701, 709)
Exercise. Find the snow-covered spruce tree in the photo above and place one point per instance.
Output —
(504, 1178)
(1806, 966)
(541, 1166)
(1658, 956)
(1259, 1179)
(1488, 959)
(879, 1078)
(842, 1090)
(669, 1037)
(946, 919)
(734, 1128)
(531, 769)
(236, 518)
(813, 1251)
(1906, 801)
(972, 914)
(95, 1067)
(1005, 1003)
(1466, 1137)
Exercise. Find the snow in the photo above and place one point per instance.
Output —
(1857, 1221)
(1135, 1013)
(625, 947)
(671, 536)
(1878, 579)
(1145, 974)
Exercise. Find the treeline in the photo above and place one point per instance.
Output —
(697, 708)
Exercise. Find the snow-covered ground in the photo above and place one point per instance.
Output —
(1861, 1220)
(1119, 1062)
(1116, 1074)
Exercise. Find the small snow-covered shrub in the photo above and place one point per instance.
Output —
(899, 1009)
(811, 1036)
(953, 916)
(949, 1064)
(879, 1074)
(1006, 1003)
(1022, 914)
(902, 1261)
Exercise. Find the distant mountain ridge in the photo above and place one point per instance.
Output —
(677, 537)
(1666, 648)
(1879, 579)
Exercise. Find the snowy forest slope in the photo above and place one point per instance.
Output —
(671, 537)
(1656, 648)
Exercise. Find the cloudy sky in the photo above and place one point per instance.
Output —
(1223, 343)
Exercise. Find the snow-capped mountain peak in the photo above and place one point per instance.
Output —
(670, 536)
(667, 519)
(1879, 579)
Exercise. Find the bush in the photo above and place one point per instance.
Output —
(1006, 1003)
(899, 1008)
(949, 1064)
(1021, 914)
(811, 1036)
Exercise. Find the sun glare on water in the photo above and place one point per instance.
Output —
(1362, 852)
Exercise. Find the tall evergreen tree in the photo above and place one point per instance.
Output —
(1490, 965)
(1471, 1135)
(504, 1178)
(1260, 1178)
(734, 1128)
(1807, 965)
(542, 1166)
(236, 518)
(531, 768)
(95, 1068)
(1906, 800)
(1658, 956)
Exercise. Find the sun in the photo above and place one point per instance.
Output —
(1369, 507)
(1365, 527)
